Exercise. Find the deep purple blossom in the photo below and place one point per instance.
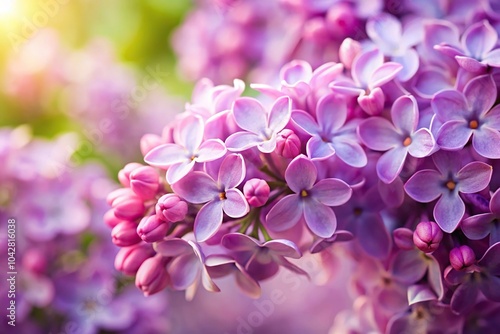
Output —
(311, 199)
(468, 114)
(446, 183)
(398, 138)
(189, 148)
(220, 196)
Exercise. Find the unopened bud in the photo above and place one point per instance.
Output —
(171, 208)
(144, 181)
(256, 192)
(124, 173)
(462, 257)
(427, 236)
(129, 259)
(152, 276)
(125, 234)
(152, 229)
(288, 144)
(348, 50)
(148, 142)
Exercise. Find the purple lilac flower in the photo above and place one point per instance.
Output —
(468, 114)
(393, 40)
(480, 226)
(189, 148)
(330, 133)
(477, 48)
(311, 200)
(450, 179)
(369, 72)
(397, 138)
(220, 196)
(261, 129)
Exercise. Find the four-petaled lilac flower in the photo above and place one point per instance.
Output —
(220, 196)
(262, 260)
(369, 72)
(260, 128)
(446, 183)
(478, 42)
(397, 138)
(387, 32)
(479, 226)
(468, 114)
(330, 134)
(188, 149)
(311, 200)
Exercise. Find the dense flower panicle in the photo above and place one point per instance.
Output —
(384, 146)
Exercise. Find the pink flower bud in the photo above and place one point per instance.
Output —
(348, 50)
(403, 238)
(124, 173)
(152, 229)
(288, 144)
(316, 30)
(171, 208)
(341, 20)
(129, 259)
(462, 257)
(256, 192)
(144, 181)
(427, 236)
(118, 193)
(152, 276)
(373, 103)
(125, 234)
(34, 260)
(128, 206)
(148, 142)
(110, 219)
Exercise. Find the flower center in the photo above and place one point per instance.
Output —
(357, 211)
(407, 141)
(303, 193)
(451, 185)
(473, 124)
(222, 195)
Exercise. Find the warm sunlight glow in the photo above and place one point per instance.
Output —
(7, 7)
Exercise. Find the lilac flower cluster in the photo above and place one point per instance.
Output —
(392, 144)
(64, 258)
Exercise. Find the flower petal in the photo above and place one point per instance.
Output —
(280, 113)
(283, 247)
(481, 93)
(320, 218)
(424, 186)
(404, 113)
(464, 298)
(301, 174)
(450, 105)
(208, 220)
(408, 266)
(479, 39)
(379, 134)
(490, 287)
(250, 115)
(189, 132)
(173, 247)
(448, 211)
(184, 270)
(409, 62)
(305, 121)
(384, 74)
(284, 214)
(477, 227)
(331, 113)
(385, 30)
(453, 135)
(373, 236)
(210, 150)
(166, 155)
(318, 149)
(390, 164)
(232, 171)
(474, 177)
(331, 192)
(491, 259)
(495, 202)
(196, 187)
(241, 141)
(364, 65)
(235, 205)
(240, 242)
(177, 171)
(422, 143)
(350, 152)
(485, 142)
